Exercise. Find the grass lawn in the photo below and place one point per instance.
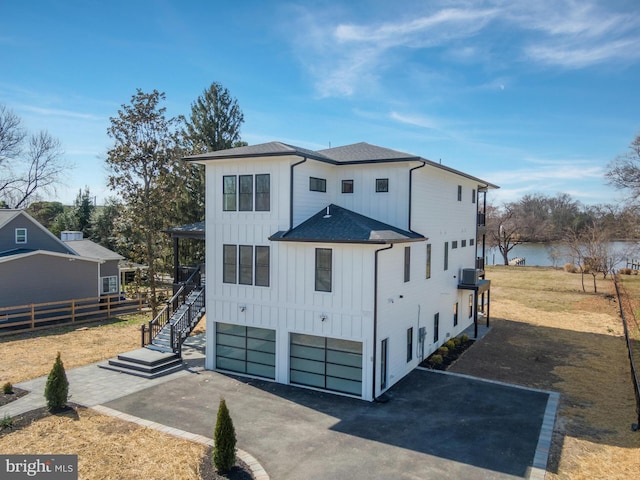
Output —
(546, 334)
(549, 334)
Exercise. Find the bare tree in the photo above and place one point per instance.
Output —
(30, 164)
(503, 229)
(624, 171)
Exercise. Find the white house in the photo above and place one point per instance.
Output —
(337, 269)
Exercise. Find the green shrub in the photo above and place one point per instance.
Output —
(450, 345)
(6, 422)
(456, 341)
(224, 450)
(464, 338)
(57, 389)
(7, 388)
(570, 268)
(443, 351)
(435, 360)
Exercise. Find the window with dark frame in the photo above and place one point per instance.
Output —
(323, 269)
(470, 305)
(455, 314)
(409, 344)
(407, 264)
(245, 258)
(347, 186)
(317, 184)
(263, 192)
(428, 260)
(384, 353)
(229, 264)
(245, 195)
(471, 242)
(382, 185)
(229, 193)
(446, 255)
(463, 243)
(436, 327)
(459, 193)
(454, 244)
(262, 266)
(473, 195)
(239, 267)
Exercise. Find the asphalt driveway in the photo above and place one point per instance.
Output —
(434, 425)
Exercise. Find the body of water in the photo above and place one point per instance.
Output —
(555, 255)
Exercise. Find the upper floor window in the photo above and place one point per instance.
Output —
(446, 255)
(21, 235)
(243, 192)
(409, 344)
(459, 193)
(428, 260)
(382, 184)
(454, 244)
(246, 193)
(347, 186)
(473, 195)
(246, 265)
(323, 269)
(263, 192)
(407, 264)
(471, 242)
(470, 305)
(436, 327)
(229, 192)
(464, 243)
(317, 184)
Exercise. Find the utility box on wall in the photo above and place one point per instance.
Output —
(469, 276)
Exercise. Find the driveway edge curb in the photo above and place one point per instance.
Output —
(258, 472)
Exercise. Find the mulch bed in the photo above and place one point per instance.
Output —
(207, 471)
(10, 397)
(449, 358)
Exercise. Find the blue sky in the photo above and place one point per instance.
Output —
(535, 96)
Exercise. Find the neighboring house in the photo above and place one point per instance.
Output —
(339, 269)
(37, 267)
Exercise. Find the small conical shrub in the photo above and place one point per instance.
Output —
(57, 389)
(224, 450)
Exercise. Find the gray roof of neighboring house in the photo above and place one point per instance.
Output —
(344, 226)
(87, 248)
(357, 153)
(7, 214)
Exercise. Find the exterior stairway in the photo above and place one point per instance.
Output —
(162, 339)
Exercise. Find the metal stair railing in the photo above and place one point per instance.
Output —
(183, 325)
(155, 326)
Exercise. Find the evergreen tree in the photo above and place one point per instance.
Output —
(224, 450)
(214, 124)
(83, 209)
(103, 228)
(57, 388)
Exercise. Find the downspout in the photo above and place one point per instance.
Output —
(375, 317)
(291, 191)
(411, 190)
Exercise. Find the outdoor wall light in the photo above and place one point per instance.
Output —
(242, 308)
(323, 317)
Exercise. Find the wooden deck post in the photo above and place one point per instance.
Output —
(33, 316)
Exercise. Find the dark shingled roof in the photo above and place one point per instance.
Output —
(357, 153)
(362, 152)
(344, 226)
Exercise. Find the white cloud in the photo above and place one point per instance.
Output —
(416, 120)
(54, 112)
(346, 57)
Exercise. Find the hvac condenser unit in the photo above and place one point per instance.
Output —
(469, 276)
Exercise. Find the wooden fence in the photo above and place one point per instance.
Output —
(36, 316)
